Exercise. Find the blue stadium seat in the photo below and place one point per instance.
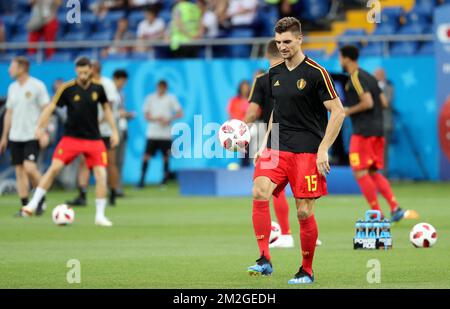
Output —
(20, 23)
(19, 37)
(102, 36)
(391, 15)
(166, 15)
(109, 22)
(385, 29)
(416, 15)
(404, 48)
(427, 48)
(412, 29)
(373, 49)
(424, 7)
(74, 36)
(313, 9)
(23, 6)
(167, 4)
(134, 18)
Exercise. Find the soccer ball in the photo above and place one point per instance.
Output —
(234, 135)
(423, 235)
(275, 232)
(63, 215)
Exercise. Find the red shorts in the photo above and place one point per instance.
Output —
(70, 147)
(366, 152)
(299, 169)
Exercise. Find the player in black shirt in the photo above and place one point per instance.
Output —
(81, 135)
(260, 108)
(365, 101)
(301, 135)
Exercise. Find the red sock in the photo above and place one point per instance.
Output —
(281, 207)
(384, 188)
(262, 226)
(308, 238)
(369, 190)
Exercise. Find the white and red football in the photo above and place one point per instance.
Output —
(275, 232)
(423, 235)
(234, 135)
(63, 215)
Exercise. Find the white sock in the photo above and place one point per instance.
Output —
(100, 205)
(39, 193)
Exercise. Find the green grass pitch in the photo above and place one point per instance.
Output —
(163, 240)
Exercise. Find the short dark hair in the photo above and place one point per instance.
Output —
(286, 24)
(349, 51)
(163, 83)
(23, 62)
(272, 49)
(83, 61)
(120, 73)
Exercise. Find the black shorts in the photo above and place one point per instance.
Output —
(153, 145)
(107, 142)
(24, 151)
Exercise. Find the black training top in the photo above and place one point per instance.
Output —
(368, 122)
(260, 94)
(82, 108)
(298, 105)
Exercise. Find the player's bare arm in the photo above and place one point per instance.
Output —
(110, 120)
(337, 115)
(366, 103)
(253, 113)
(6, 127)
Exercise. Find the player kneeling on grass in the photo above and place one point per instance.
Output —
(303, 93)
(81, 135)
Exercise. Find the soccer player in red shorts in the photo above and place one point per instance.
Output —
(261, 107)
(297, 152)
(81, 135)
(366, 101)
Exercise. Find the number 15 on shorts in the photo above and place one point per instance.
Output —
(312, 182)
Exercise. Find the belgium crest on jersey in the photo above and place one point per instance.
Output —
(94, 96)
(301, 83)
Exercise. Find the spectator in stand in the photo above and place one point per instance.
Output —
(185, 27)
(286, 8)
(152, 28)
(237, 108)
(122, 34)
(210, 24)
(43, 23)
(2, 34)
(238, 104)
(142, 4)
(242, 13)
(102, 7)
(220, 8)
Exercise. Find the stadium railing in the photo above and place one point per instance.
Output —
(256, 44)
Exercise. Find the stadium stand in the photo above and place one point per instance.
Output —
(398, 17)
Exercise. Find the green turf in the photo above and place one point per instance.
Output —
(163, 240)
